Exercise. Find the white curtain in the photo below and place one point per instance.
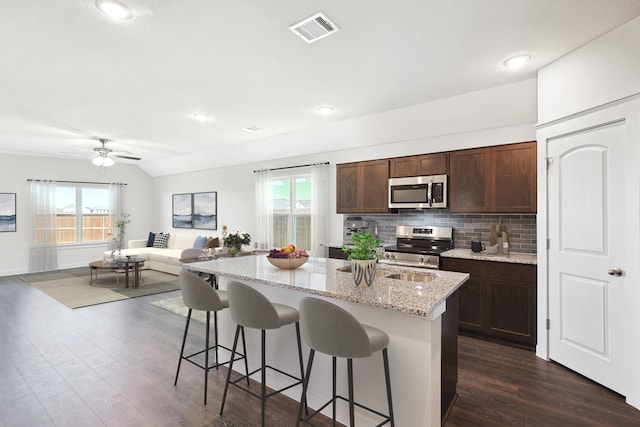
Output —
(319, 207)
(43, 250)
(115, 211)
(264, 210)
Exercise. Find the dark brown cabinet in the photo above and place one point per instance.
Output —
(498, 301)
(362, 187)
(426, 164)
(499, 179)
(469, 180)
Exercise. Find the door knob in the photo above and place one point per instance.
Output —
(615, 272)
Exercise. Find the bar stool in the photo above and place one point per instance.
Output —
(250, 309)
(332, 330)
(197, 294)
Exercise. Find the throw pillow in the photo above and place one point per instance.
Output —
(212, 242)
(161, 240)
(200, 242)
(150, 240)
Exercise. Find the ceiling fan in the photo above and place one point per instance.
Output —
(104, 155)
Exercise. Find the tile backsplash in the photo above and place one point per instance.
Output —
(466, 227)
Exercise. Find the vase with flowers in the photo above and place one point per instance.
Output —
(234, 240)
(121, 225)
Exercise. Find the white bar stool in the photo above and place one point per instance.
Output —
(197, 294)
(250, 309)
(332, 330)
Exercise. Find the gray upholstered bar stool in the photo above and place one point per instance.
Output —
(332, 330)
(250, 309)
(197, 294)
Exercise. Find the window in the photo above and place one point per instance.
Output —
(292, 210)
(82, 213)
(292, 207)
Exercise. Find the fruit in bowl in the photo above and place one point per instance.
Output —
(287, 257)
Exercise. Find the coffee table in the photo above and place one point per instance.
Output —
(120, 266)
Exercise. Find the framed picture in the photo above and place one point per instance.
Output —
(205, 210)
(182, 211)
(7, 211)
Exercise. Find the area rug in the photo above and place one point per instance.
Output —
(71, 287)
(176, 306)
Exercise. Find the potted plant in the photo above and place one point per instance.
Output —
(121, 225)
(363, 256)
(234, 240)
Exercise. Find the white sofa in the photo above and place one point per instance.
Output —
(166, 260)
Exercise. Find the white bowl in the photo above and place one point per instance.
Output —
(287, 263)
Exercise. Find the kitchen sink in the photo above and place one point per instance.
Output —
(378, 273)
(410, 277)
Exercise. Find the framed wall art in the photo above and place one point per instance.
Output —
(205, 210)
(182, 211)
(7, 212)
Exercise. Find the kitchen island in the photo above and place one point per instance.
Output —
(409, 311)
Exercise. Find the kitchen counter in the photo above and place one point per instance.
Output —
(411, 313)
(320, 276)
(515, 258)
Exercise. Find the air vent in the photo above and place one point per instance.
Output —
(314, 28)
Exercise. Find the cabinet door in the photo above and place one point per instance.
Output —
(404, 167)
(470, 305)
(511, 311)
(514, 178)
(348, 179)
(375, 185)
(434, 164)
(470, 183)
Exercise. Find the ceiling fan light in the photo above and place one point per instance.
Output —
(114, 9)
(98, 161)
(108, 161)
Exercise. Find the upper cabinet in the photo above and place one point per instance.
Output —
(470, 181)
(426, 164)
(362, 187)
(500, 179)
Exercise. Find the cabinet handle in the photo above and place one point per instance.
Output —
(615, 272)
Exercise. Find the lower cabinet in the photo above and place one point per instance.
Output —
(337, 253)
(498, 301)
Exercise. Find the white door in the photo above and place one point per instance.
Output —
(586, 235)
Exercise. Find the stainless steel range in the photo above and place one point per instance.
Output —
(418, 246)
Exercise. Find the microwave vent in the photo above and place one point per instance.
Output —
(314, 28)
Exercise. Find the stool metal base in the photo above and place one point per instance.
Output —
(386, 418)
(263, 396)
(206, 367)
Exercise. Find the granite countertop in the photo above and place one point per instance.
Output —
(515, 258)
(320, 276)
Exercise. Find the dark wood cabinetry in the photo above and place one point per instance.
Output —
(337, 253)
(469, 180)
(426, 164)
(498, 301)
(514, 177)
(362, 187)
(499, 179)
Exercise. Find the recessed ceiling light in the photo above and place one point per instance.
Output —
(201, 117)
(516, 61)
(114, 9)
(326, 109)
(251, 128)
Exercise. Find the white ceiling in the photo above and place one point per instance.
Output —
(69, 74)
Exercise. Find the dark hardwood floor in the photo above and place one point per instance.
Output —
(114, 364)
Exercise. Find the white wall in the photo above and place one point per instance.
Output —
(603, 71)
(14, 172)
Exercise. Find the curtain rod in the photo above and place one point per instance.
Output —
(76, 182)
(291, 167)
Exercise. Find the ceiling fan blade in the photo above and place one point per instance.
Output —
(122, 156)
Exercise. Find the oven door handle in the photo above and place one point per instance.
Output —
(429, 192)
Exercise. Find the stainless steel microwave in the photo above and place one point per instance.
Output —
(418, 192)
